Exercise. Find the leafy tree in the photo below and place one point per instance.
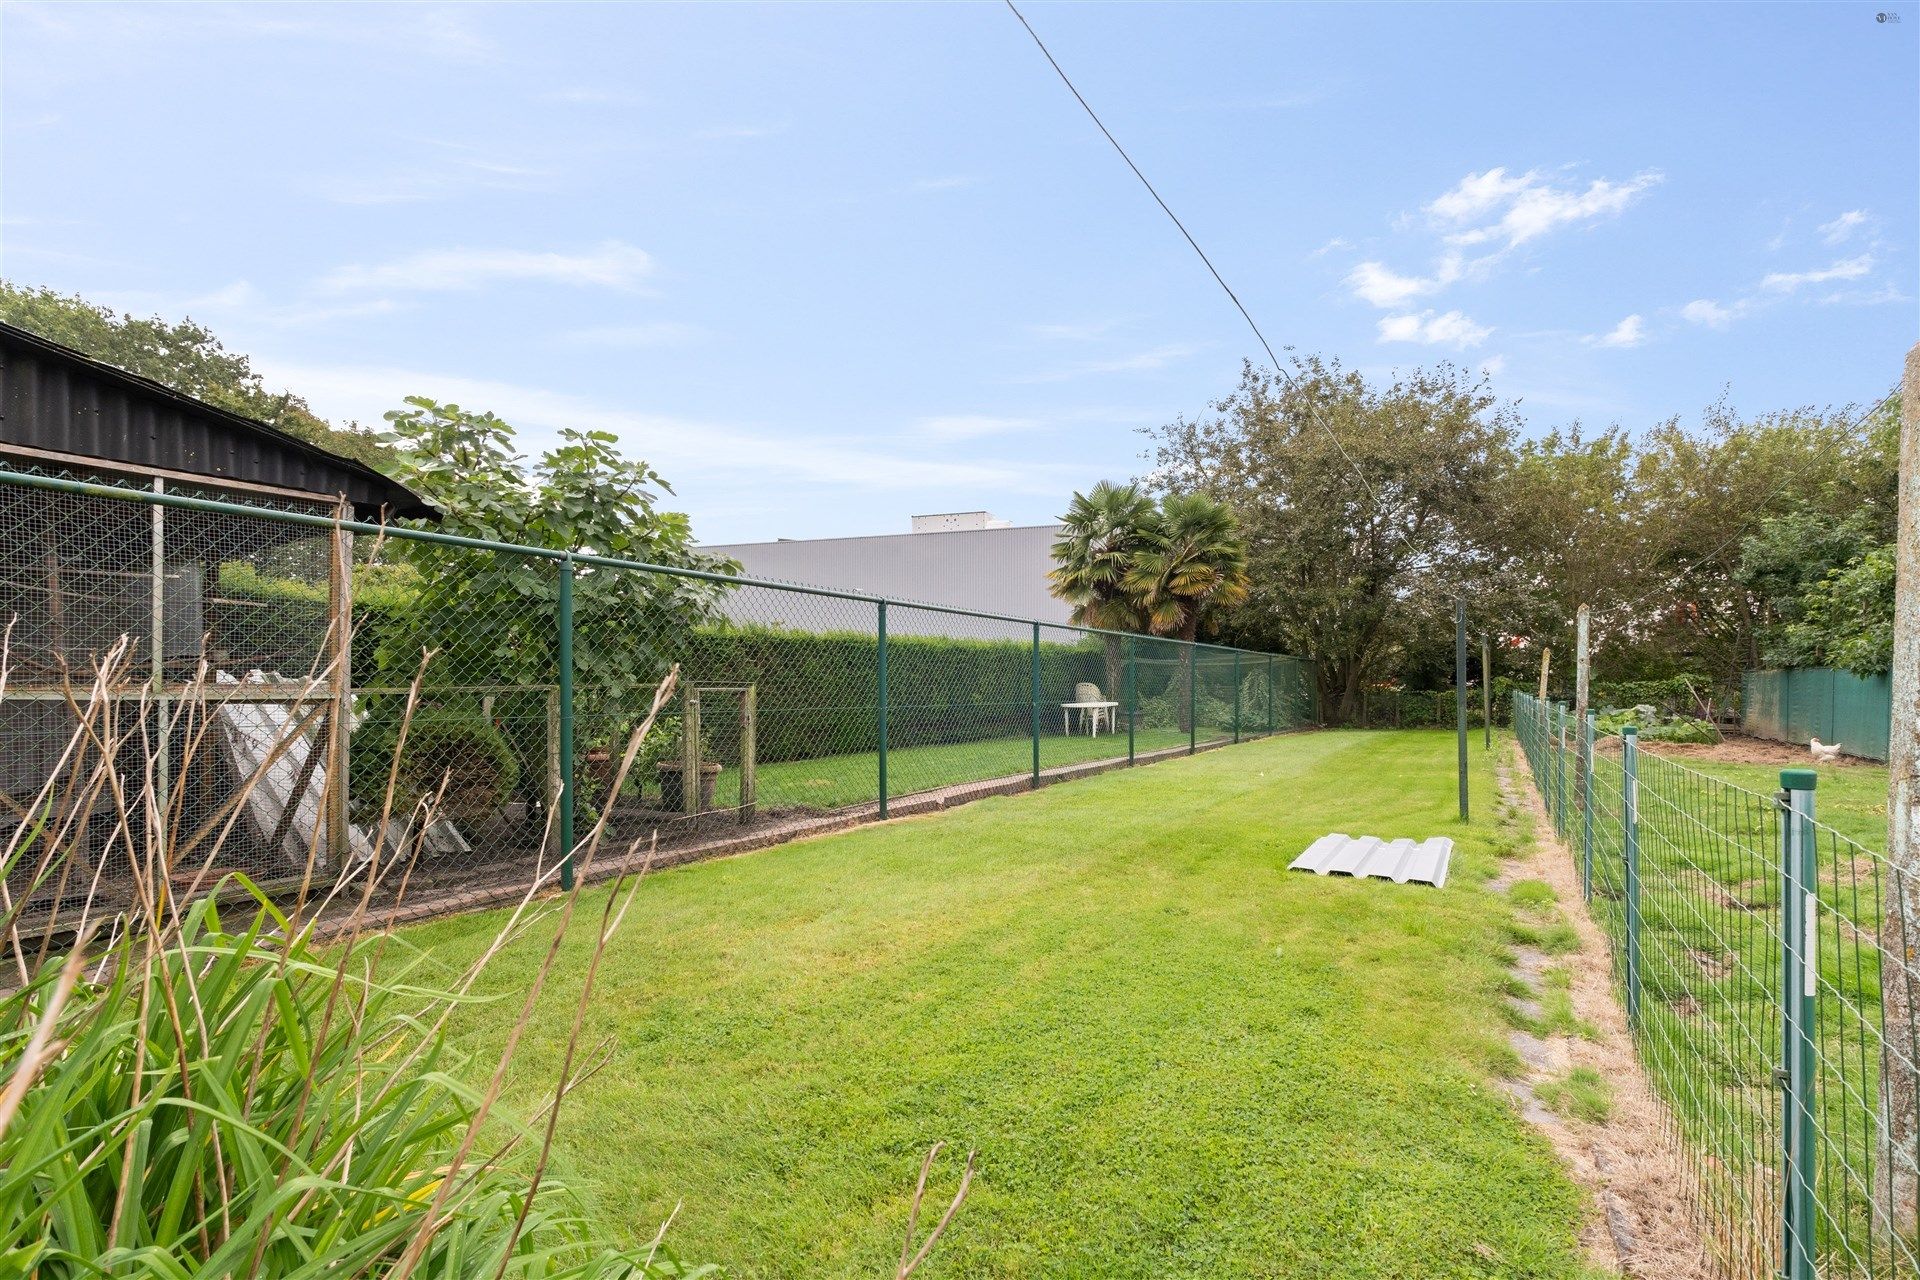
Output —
(1344, 571)
(1103, 531)
(1192, 567)
(184, 356)
(490, 617)
(1704, 490)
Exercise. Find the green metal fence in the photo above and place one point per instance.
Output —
(1819, 702)
(283, 644)
(1757, 952)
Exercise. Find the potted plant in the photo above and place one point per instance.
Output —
(664, 749)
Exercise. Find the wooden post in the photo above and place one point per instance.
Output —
(690, 751)
(1897, 1170)
(749, 750)
(341, 596)
(1546, 659)
(162, 760)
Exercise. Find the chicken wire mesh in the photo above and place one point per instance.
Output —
(319, 695)
(1728, 911)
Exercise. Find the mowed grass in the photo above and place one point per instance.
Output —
(1851, 798)
(832, 782)
(828, 782)
(1174, 1057)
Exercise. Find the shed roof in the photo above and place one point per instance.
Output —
(55, 400)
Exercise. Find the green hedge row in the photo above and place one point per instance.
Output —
(817, 692)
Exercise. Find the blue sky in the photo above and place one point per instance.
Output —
(829, 266)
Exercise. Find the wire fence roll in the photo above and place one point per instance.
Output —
(1766, 962)
(328, 664)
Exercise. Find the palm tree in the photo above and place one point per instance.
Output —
(1104, 530)
(1194, 564)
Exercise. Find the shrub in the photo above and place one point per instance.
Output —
(217, 1109)
(480, 767)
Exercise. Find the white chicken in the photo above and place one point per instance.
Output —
(1825, 753)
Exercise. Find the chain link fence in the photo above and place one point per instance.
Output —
(1766, 966)
(328, 663)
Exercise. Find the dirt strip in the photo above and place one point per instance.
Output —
(1645, 1225)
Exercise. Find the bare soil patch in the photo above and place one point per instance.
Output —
(1646, 1223)
(1739, 749)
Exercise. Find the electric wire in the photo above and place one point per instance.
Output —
(1246, 315)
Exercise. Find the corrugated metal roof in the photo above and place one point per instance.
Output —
(1369, 857)
(56, 399)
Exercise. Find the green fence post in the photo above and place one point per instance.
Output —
(1799, 957)
(1236, 695)
(1193, 698)
(880, 674)
(1133, 697)
(1586, 809)
(1036, 704)
(1630, 840)
(563, 658)
(1560, 766)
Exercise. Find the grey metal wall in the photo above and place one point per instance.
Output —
(1855, 712)
(991, 570)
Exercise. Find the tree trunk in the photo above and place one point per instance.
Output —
(1116, 685)
(1183, 682)
(1897, 1171)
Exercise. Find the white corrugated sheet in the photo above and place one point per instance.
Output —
(1369, 857)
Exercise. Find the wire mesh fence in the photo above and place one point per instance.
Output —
(1767, 969)
(335, 665)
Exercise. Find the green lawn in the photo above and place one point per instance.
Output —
(1850, 798)
(1711, 966)
(1175, 1057)
(829, 782)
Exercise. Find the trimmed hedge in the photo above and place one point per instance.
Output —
(817, 692)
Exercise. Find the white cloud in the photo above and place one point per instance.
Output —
(1141, 362)
(1452, 329)
(660, 333)
(1374, 282)
(1338, 242)
(1478, 194)
(1710, 313)
(970, 426)
(1843, 226)
(611, 265)
(1846, 269)
(679, 447)
(1493, 366)
(1528, 205)
(1630, 332)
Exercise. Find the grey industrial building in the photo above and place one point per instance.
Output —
(961, 560)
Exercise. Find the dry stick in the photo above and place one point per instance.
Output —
(346, 954)
(566, 1063)
(41, 1048)
(510, 929)
(410, 1259)
(913, 1214)
(43, 797)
